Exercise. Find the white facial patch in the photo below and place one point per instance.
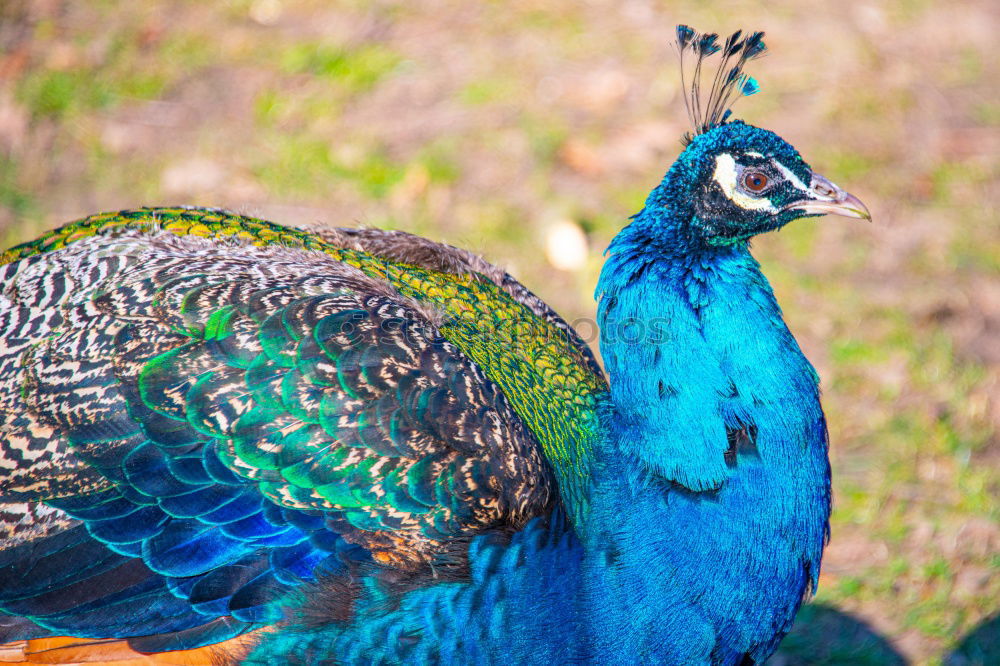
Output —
(726, 175)
(790, 177)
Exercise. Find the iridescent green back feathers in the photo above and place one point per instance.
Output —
(400, 298)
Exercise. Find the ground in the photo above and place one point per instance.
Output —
(529, 131)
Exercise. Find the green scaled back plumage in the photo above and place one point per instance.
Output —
(554, 384)
(229, 409)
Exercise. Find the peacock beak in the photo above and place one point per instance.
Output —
(825, 197)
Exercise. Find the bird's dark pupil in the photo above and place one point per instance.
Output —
(756, 181)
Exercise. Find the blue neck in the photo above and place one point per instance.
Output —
(713, 489)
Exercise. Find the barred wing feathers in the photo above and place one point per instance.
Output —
(200, 411)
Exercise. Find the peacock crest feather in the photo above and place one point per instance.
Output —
(729, 81)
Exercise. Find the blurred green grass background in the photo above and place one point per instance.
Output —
(523, 130)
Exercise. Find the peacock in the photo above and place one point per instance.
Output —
(323, 445)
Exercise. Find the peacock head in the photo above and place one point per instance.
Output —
(733, 180)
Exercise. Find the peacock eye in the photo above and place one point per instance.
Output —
(755, 181)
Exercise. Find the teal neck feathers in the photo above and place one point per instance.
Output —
(717, 449)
